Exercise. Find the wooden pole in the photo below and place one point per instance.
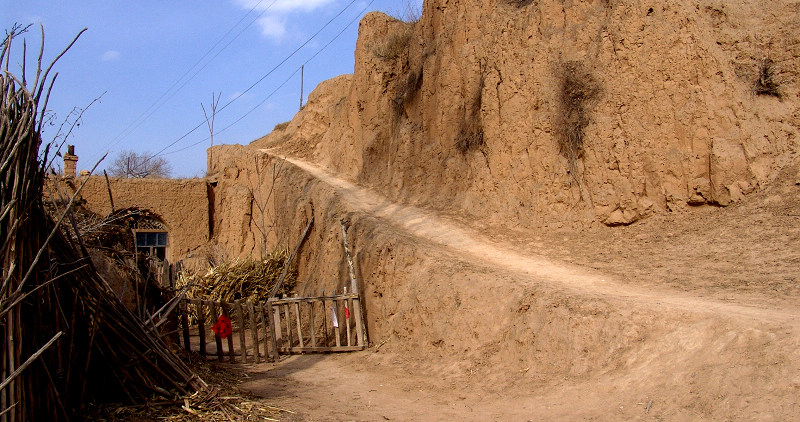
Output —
(184, 310)
(299, 326)
(110, 196)
(242, 327)
(253, 331)
(288, 327)
(348, 304)
(361, 330)
(313, 334)
(302, 78)
(288, 261)
(201, 327)
(350, 266)
(271, 326)
(226, 310)
(267, 336)
(217, 338)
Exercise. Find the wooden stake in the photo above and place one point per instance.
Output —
(253, 331)
(359, 322)
(348, 303)
(290, 258)
(226, 310)
(201, 327)
(271, 326)
(183, 309)
(217, 338)
(267, 336)
(313, 334)
(299, 326)
(242, 327)
(110, 196)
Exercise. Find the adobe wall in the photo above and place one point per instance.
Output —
(181, 203)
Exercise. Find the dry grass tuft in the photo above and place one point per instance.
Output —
(396, 43)
(408, 90)
(520, 3)
(409, 13)
(470, 134)
(767, 83)
(578, 91)
(280, 126)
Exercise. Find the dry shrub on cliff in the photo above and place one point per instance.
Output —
(520, 3)
(409, 13)
(767, 84)
(577, 93)
(470, 134)
(407, 91)
(396, 44)
(280, 126)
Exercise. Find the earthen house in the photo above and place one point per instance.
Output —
(182, 207)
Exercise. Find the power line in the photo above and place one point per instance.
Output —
(169, 93)
(279, 86)
(292, 54)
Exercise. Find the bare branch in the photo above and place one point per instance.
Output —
(130, 164)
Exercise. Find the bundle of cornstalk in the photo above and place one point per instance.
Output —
(223, 401)
(240, 279)
(66, 337)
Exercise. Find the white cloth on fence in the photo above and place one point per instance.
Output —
(333, 318)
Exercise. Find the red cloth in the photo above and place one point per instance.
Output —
(223, 327)
(346, 313)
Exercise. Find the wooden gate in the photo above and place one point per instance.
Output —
(325, 323)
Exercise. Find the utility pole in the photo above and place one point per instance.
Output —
(302, 71)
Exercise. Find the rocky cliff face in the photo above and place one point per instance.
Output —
(563, 112)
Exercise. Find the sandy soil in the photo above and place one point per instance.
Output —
(735, 267)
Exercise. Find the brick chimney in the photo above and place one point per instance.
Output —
(70, 162)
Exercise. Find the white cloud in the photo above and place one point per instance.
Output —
(273, 21)
(282, 5)
(272, 26)
(110, 55)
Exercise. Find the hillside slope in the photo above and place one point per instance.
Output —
(563, 112)
(466, 312)
(478, 157)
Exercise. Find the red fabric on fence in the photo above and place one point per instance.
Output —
(223, 326)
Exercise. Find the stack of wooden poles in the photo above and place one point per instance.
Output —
(67, 339)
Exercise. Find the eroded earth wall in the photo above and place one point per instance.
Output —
(563, 112)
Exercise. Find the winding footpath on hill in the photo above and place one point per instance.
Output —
(427, 225)
(709, 359)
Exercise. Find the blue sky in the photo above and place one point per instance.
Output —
(153, 63)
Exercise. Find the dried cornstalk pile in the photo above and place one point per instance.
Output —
(244, 279)
(66, 337)
(223, 401)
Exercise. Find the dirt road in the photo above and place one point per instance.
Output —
(577, 342)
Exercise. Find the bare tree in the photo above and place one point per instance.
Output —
(131, 164)
(210, 120)
(261, 201)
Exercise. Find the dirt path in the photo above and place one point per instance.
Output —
(466, 241)
(669, 375)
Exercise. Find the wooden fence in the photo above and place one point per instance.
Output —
(265, 330)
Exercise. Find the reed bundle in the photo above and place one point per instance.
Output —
(67, 339)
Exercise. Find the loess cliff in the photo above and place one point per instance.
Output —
(478, 156)
(556, 112)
